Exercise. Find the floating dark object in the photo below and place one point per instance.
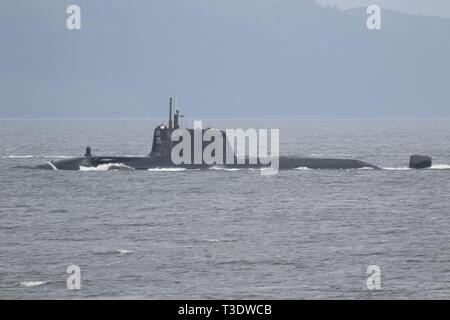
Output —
(420, 162)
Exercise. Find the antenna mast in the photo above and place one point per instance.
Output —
(170, 113)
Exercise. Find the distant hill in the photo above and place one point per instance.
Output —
(222, 58)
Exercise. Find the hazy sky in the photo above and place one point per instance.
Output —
(426, 7)
(222, 59)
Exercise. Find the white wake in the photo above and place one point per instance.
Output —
(30, 284)
(107, 167)
(167, 169)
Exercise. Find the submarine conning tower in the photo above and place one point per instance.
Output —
(162, 144)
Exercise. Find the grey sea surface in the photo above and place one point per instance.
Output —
(203, 234)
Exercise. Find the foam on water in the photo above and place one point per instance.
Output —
(18, 157)
(221, 240)
(166, 169)
(32, 156)
(440, 167)
(122, 251)
(51, 157)
(225, 169)
(107, 167)
(30, 284)
(433, 167)
(396, 168)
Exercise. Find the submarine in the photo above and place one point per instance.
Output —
(163, 144)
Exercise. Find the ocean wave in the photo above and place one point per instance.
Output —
(433, 167)
(396, 168)
(30, 284)
(18, 157)
(32, 156)
(221, 240)
(107, 167)
(166, 169)
(316, 155)
(114, 252)
(225, 169)
(303, 169)
(122, 251)
(440, 167)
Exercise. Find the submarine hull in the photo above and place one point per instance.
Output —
(145, 163)
(323, 163)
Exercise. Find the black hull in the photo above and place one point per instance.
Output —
(145, 163)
